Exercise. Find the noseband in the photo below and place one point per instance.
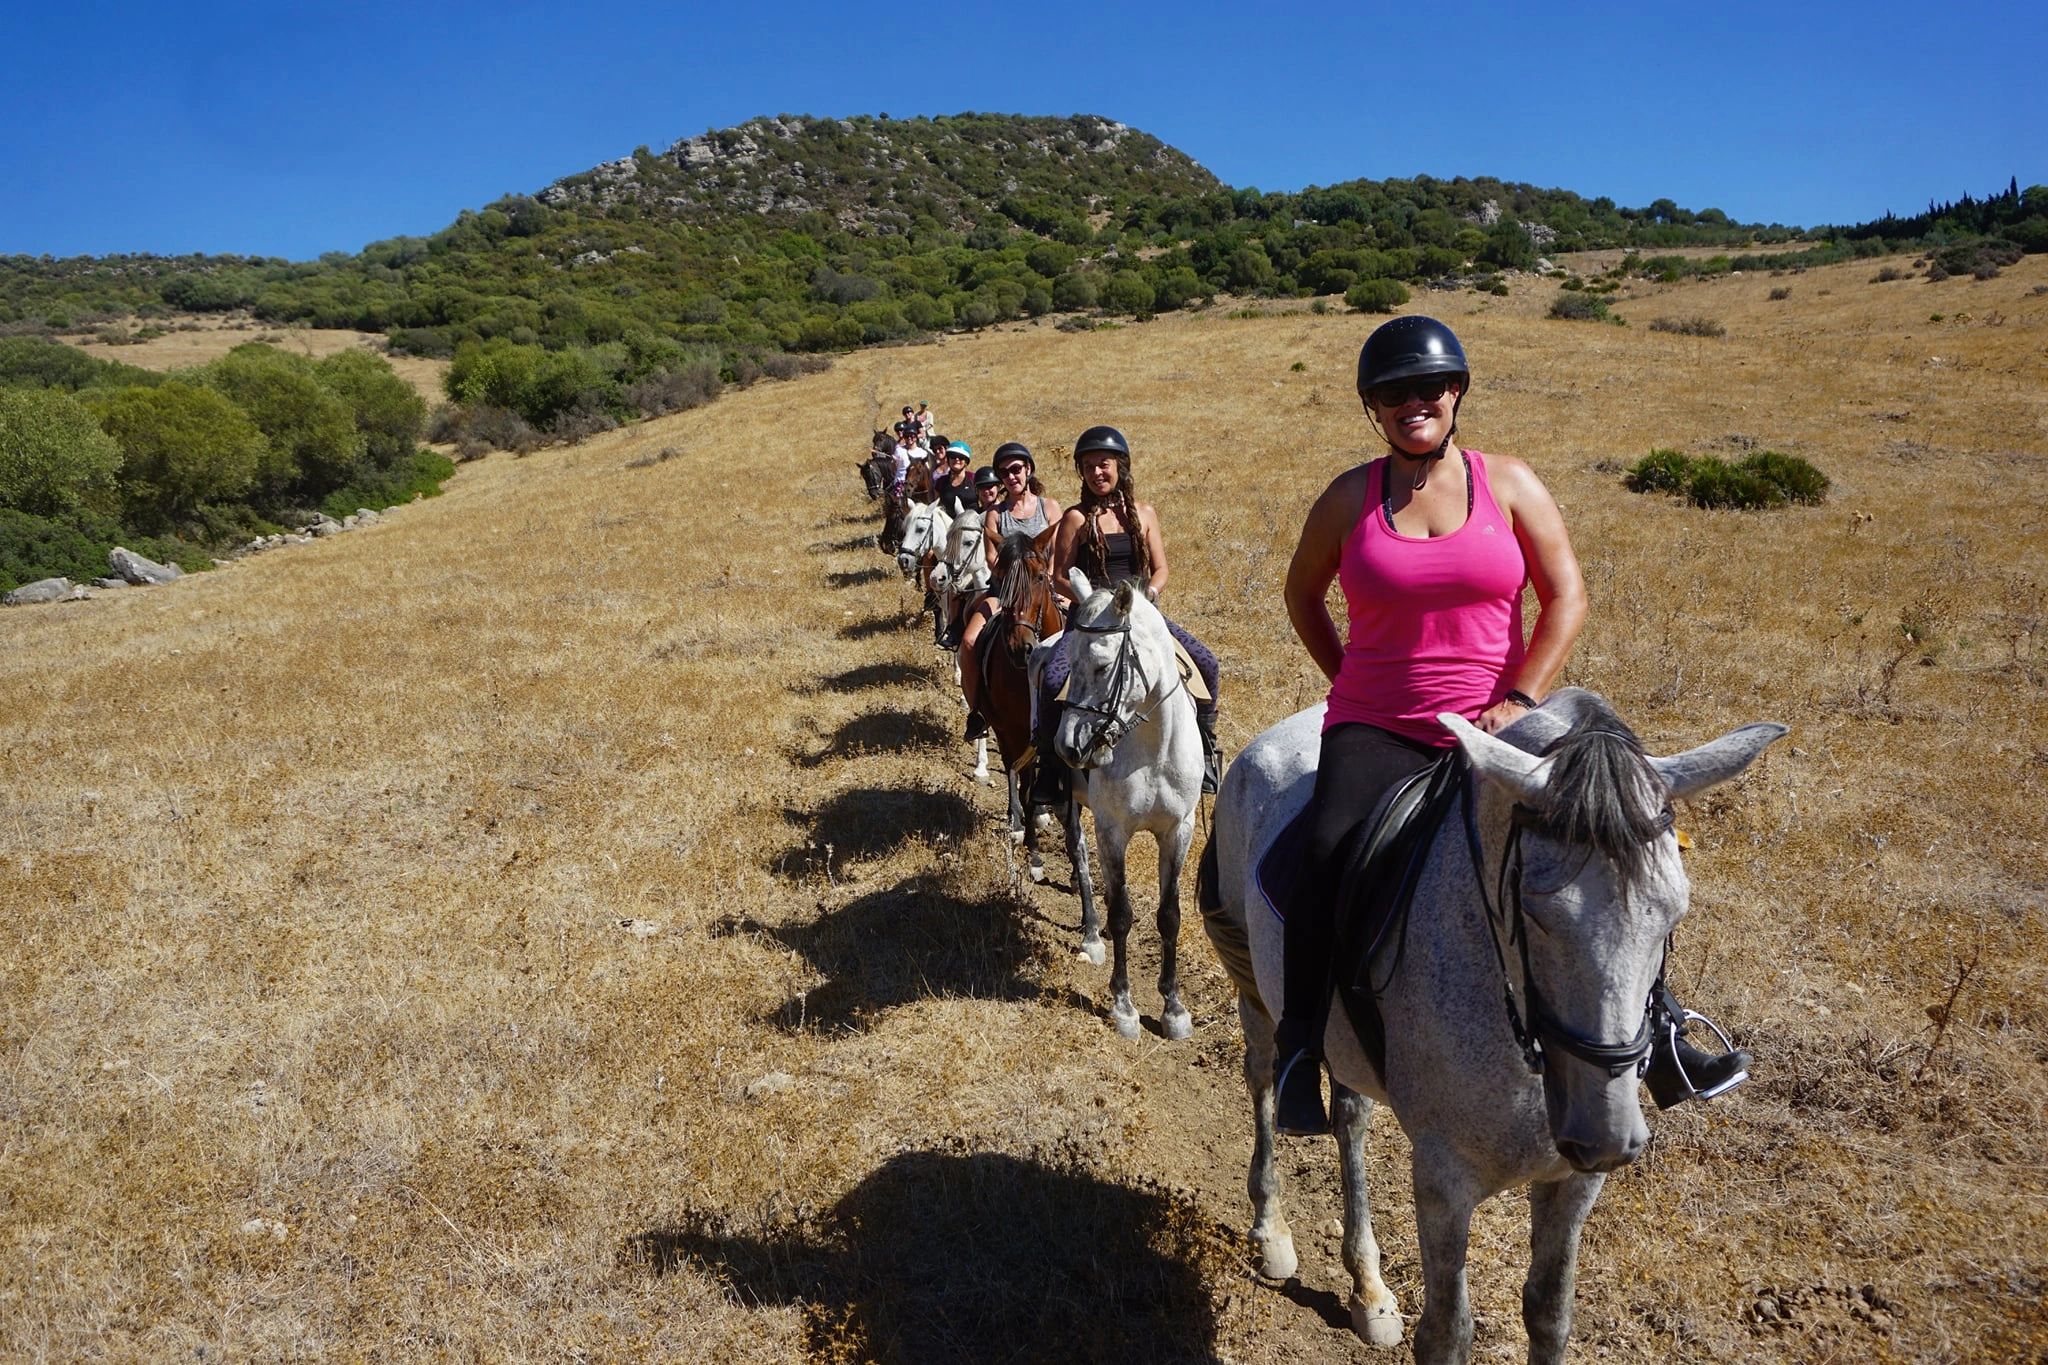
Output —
(1536, 1028)
(1114, 725)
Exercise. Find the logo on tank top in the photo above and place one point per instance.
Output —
(1487, 529)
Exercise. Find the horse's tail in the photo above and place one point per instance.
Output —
(1227, 934)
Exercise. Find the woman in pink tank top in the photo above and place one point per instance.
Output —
(1433, 546)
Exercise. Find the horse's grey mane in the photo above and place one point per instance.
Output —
(1603, 791)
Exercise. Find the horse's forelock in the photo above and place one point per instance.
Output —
(1604, 793)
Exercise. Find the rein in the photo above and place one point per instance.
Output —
(1114, 726)
(1535, 1028)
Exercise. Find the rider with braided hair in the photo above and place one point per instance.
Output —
(1112, 537)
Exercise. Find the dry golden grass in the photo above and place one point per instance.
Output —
(320, 1034)
(196, 339)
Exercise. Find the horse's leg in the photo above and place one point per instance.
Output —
(1445, 1195)
(1557, 1210)
(1173, 855)
(1084, 881)
(1114, 844)
(1026, 832)
(1374, 1314)
(1270, 1233)
(981, 760)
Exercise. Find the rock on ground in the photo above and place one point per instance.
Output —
(131, 566)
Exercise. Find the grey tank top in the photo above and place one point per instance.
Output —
(1030, 526)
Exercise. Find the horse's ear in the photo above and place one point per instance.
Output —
(1717, 760)
(1497, 760)
(1083, 589)
(1043, 540)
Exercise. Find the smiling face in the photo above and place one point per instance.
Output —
(1016, 477)
(1414, 414)
(1099, 472)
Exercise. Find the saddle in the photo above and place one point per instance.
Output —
(1380, 861)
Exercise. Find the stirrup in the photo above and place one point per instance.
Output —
(1673, 1079)
(977, 726)
(1298, 1097)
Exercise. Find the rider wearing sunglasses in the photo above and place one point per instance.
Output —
(1432, 545)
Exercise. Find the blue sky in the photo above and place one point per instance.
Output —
(287, 129)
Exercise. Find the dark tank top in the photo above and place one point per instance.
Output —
(1122, 565)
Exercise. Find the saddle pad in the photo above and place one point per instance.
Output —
(1190, 676)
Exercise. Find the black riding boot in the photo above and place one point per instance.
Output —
(1298, 1080)
(1212, 752)
(977, 726)
(1678, 1071)
(1050, 788)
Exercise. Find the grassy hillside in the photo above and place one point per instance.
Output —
(401, 927)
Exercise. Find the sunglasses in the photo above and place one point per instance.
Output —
(1401, 390)
(1007, 470)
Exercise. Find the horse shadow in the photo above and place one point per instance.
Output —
(853, 578)
(868, 822)
(913, 941)
(870, 676)
(860, 542)
(886, 624)
(959, 1255)
(879, 732)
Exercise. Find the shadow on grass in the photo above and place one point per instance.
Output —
(860, 542)
(853, 578)
(868, 822)
(869, 676)
(880, 732)
(957, 1255)
(916, 940)
(886, 624)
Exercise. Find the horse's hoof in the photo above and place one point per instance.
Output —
(1277, 1260)
(1376, 1324)
(1092, 952)
(1037, 873)
(1126, 1021)
(1177, 1026)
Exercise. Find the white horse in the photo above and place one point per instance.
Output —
(1571, 828)
(924, 529)
(1129, 734)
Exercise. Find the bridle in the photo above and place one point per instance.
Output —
(1114, 726)
(1536, 1029)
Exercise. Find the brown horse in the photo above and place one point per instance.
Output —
(1026, 614)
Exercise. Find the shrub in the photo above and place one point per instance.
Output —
(182, 447)
(387, 411)
(1074, 291)
(1376, 296)
(1580, 307)
(1127, 292)
(30, 362)
(1660, 471)
(420, 474)
(312, 444)
(1792, 475)
(1781, 293)
(1692, 327)
(1766, 478)
(1890, 273)
(1716, 483)
(54, 458)
(676, 390)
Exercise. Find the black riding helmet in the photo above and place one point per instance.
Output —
(985, 477)
(1015, 450)
(1409, 348)
(1101, 438)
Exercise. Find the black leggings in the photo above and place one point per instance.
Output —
(1359, 764)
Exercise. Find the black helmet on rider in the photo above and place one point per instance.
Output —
(985, 477)
(1102, 438)
(1410, 348)
(1015, 450)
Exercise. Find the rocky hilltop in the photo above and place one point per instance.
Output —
(892, 175)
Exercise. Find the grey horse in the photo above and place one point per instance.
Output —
(1129, 733)
(1566, 922)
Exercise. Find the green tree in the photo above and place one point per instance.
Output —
(388, 412)
(182, 447)
(1127, 292)
(54, 458)
(311, 441)
(1509, 246)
